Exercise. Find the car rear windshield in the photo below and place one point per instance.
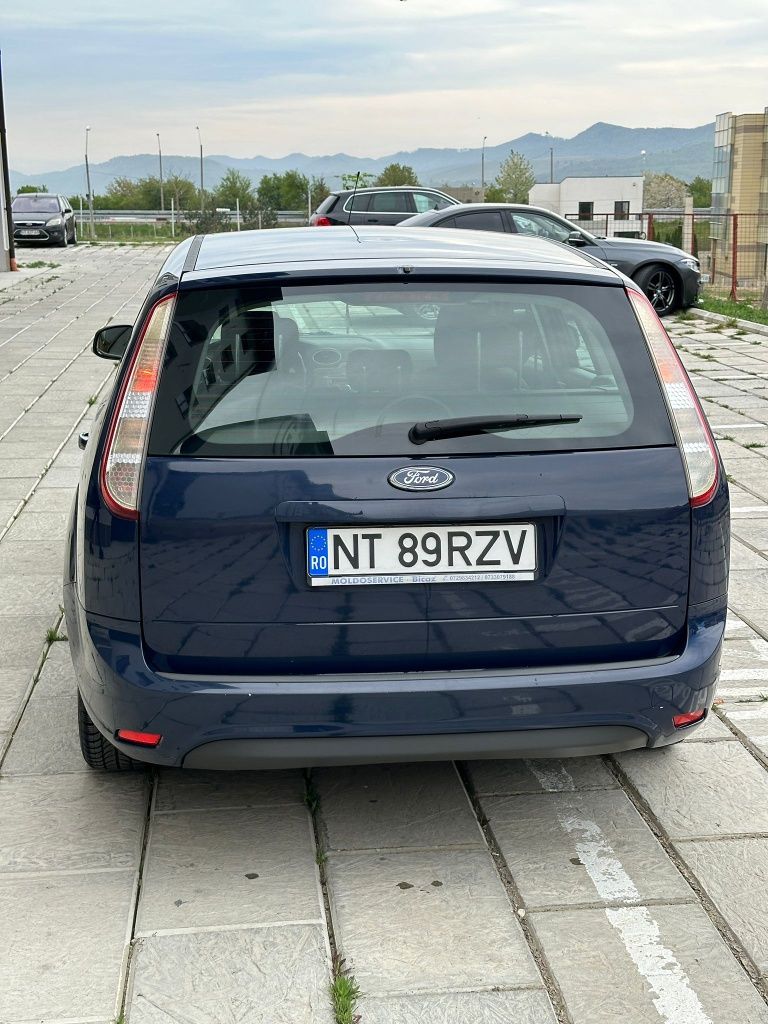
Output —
(34, 204)
(347, 370)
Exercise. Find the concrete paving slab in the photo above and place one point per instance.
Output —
(641, 965)
(712, 729)
(578, 848)
(34, 526)
(238, 867)
(701, 789)
(734, 873)
(418, 921)
(751, 720)
(26, 594)
(46, 741)
(519, 1007)
(22, 639)
(43, 557)
(391, 806)
(62, 941)
(258, 976)
(212, 791)
(504, 778)
(13, 686)
(71, 822)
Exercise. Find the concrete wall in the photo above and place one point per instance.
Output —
(564, 197)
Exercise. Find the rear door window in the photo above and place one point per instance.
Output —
(481, 220)
(346, 370)
(425, 201)
(390, 202)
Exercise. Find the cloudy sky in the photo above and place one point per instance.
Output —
(365, 76)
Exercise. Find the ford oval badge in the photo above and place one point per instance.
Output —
(421, 478)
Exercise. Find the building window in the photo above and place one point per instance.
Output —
(586, 210)
(621, 210)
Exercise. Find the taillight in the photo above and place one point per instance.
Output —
(321, 222)
(693, 433)
(680, 721)
(123, 458)
(141, 739)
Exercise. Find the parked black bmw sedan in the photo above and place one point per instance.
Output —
(41, 217)
(669, 277)
(378, 205)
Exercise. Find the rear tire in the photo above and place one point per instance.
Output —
(97, 751)
(661, 288)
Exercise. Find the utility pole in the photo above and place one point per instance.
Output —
(202, 186)
(5, 188)
(160, 156)
(551, 165)
(482, 171)
(88, 185)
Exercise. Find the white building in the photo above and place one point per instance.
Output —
(610, 204)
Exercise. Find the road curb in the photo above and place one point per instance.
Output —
(719, 318)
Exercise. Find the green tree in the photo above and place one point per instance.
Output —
(319, 190)
(365, 179)
(269, 197)
(233, 187)
(514, 180)
(30, 189)
(664, 192)
(185, 195)
(397, 174)
(294, 187)
(701, 190)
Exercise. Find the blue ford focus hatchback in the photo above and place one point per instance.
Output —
(392, 495)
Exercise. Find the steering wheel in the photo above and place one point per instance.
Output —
(412, 400)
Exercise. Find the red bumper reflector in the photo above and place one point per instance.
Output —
(142, 739)
(688, 719)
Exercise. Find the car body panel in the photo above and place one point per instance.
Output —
(196, 621)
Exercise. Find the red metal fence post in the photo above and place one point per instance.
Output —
(649, 232)
(734, 257)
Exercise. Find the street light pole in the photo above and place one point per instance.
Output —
(482, 170)
(160, 156)
(202, 186)
(551, 165)
(88, 185)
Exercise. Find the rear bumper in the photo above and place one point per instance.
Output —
(234, 722)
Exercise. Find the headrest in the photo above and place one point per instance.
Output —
(371, 369)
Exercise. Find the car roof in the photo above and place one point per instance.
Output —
(466, 207)
(389, 188)
(287, 250)
(37, 195)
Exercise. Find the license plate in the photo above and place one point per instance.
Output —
(26, 231)
(481, 553)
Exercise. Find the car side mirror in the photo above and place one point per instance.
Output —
(111, 342)
(576, 238)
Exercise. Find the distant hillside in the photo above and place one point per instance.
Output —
(600, 149)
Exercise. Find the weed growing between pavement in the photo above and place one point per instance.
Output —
(343, 989)
(344, 992)
(92, 400)
(36, 264)
(52, 635)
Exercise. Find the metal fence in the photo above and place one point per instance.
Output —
(732, 248)
(169, 225)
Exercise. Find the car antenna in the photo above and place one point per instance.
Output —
(351, 204)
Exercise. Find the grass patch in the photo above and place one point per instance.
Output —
(38, 264)
(344, 992)
(754, 444)
(735, 310)
(52, 635)
(686, 315)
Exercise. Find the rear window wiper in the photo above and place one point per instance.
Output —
(433, 430)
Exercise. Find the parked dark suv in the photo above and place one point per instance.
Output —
(312, 529)
(40, 217)
(670, 277)
(378, 205)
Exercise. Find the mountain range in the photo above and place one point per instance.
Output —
(600, 149)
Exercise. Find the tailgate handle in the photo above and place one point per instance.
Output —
(420, 509)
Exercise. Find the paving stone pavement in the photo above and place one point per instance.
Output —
(535, 892)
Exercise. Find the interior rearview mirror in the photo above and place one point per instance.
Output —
(576, 238)
(111, 342)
